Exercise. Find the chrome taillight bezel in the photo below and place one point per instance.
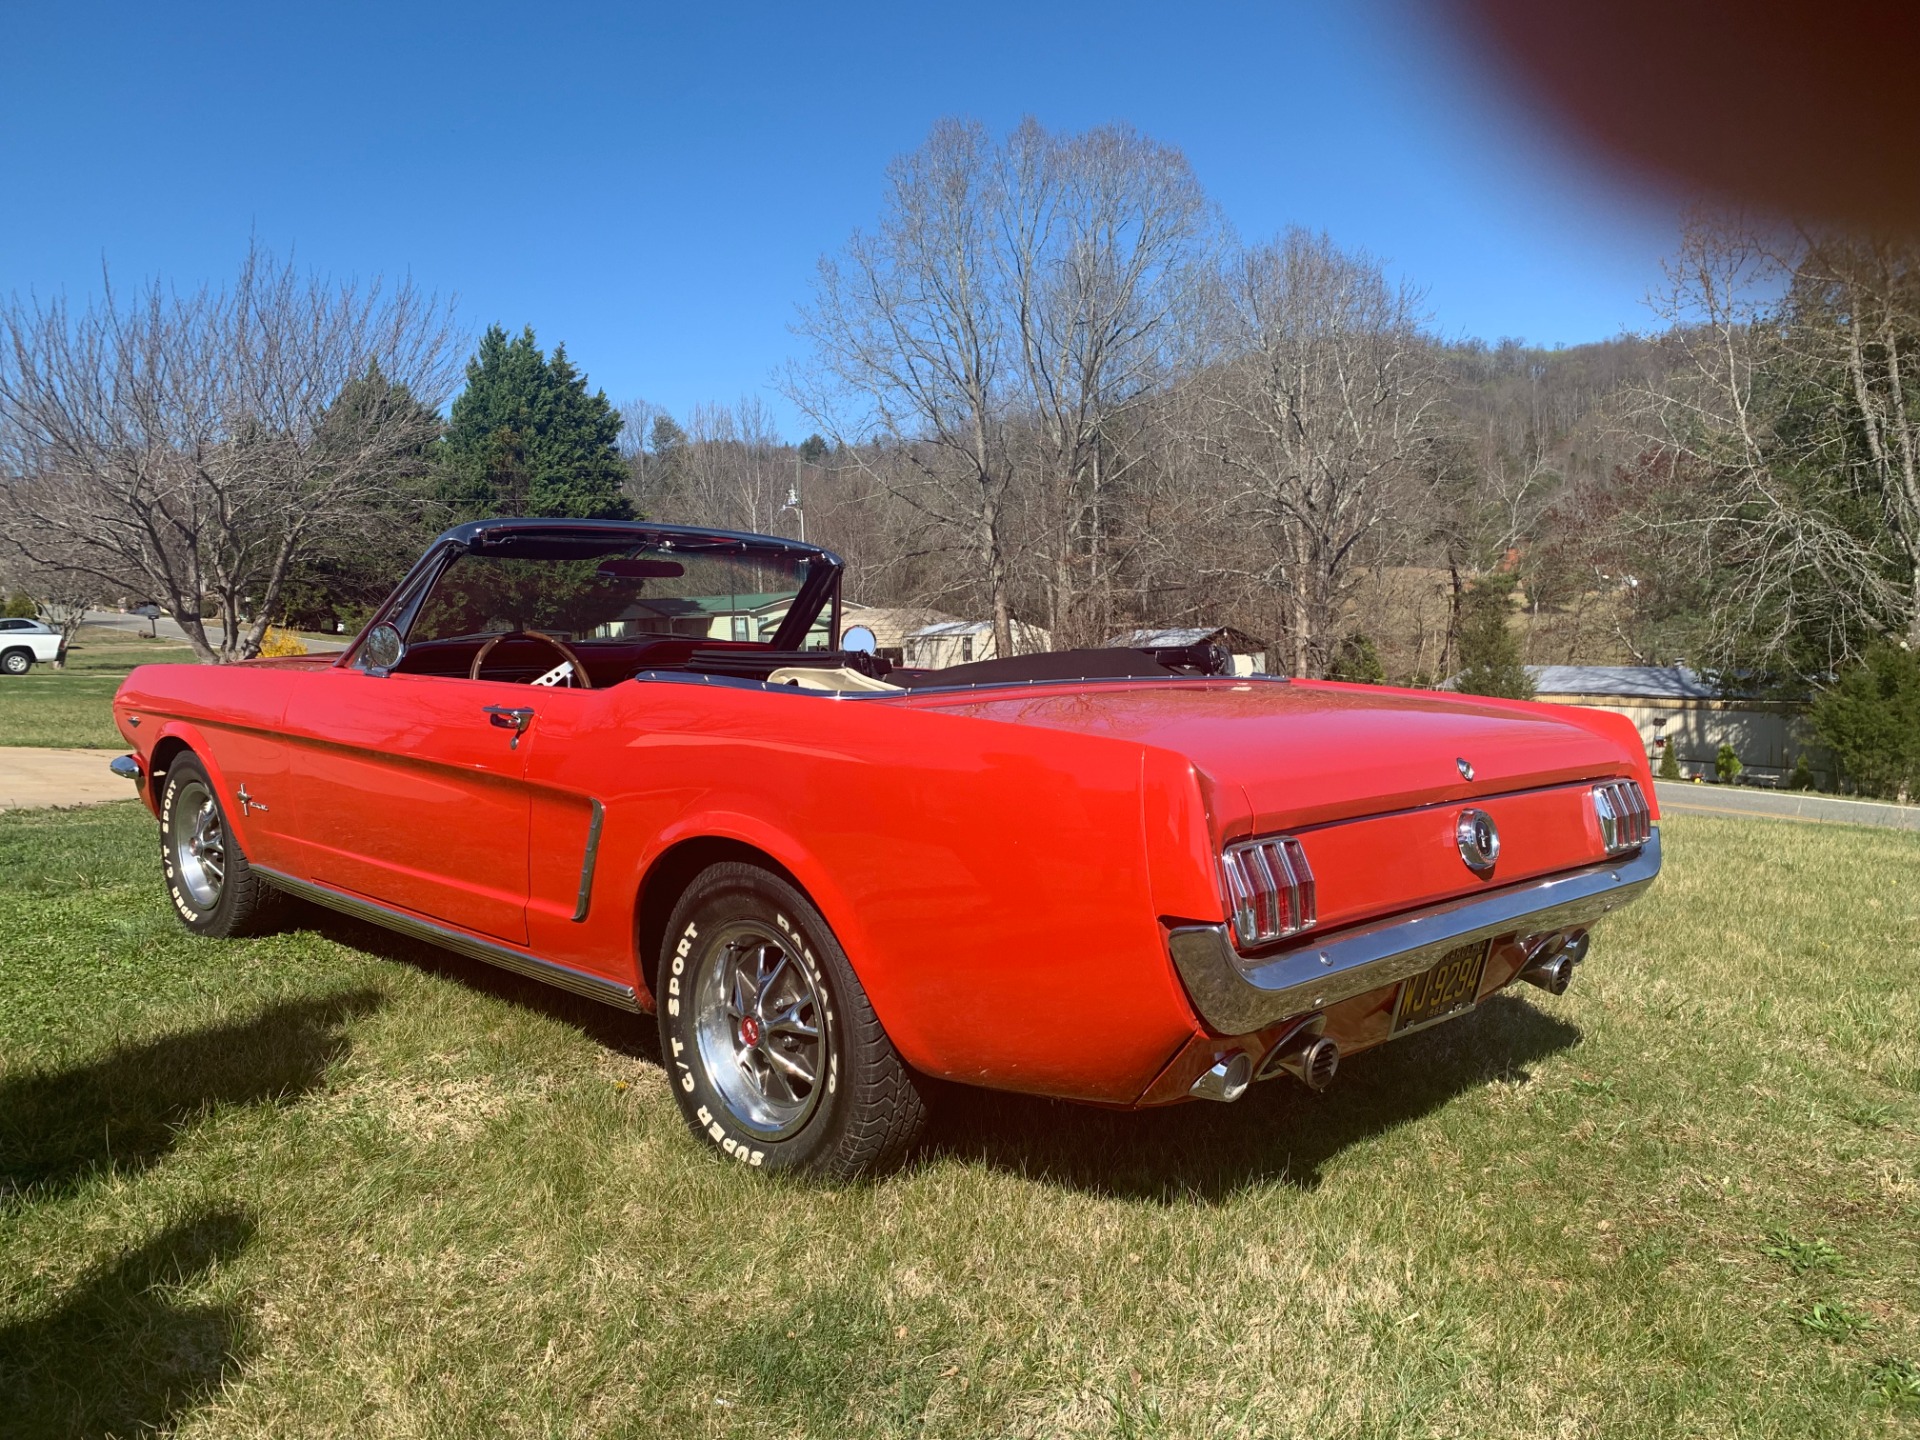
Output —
(1269, 890)
(1625, 818)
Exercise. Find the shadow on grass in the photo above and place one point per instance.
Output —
(611, 1028)
(122, 1353)
(1280, 1132)
(126, 1110)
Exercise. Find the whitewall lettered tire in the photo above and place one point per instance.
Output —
(771, 1047)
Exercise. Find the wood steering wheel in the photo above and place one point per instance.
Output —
(580, 676)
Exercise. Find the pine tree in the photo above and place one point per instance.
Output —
(525, 438)
(1489, 652)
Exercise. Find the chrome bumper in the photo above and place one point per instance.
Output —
(1236, 995)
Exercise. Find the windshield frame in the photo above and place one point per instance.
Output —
(820, 592)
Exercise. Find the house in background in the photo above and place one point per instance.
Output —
(1249, 654)
(1672, 705)
(891, 626)
(961, 642)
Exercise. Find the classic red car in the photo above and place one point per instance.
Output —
(642, 762)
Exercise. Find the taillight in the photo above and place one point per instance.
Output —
(1269, 889)
(1625, 818)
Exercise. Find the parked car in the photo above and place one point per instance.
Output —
(637, 762)
(22, 642)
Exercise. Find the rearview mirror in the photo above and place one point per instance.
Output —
(381, 650)
(859, 640)
(638, 567)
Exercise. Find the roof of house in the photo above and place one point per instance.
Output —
(1627, 682)
(1186, 635)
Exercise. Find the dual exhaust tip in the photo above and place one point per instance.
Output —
(1305, 1053)
(1551, 960)
(1302, 1052)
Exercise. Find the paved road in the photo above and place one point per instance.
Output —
(32, 777)
(169, 629)
(1783, 805)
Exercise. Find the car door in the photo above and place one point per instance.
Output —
(411, 790)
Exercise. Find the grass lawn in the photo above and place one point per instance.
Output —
(73, 708)
(332, 1183)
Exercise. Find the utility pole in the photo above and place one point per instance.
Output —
(793, 498)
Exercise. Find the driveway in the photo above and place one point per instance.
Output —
(32, 778)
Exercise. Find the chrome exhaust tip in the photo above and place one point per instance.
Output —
(1304, 1053)
(1226, 1082)
(1315, 1065)
(1551, 961)
(1552, 974)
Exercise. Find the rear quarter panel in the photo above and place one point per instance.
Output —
(988, 881)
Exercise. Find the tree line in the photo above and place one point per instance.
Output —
(1051, 385)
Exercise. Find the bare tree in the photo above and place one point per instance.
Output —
(912, 353)
(1103, 240)
(1753, 467)
(192, 447)
(1316, 414)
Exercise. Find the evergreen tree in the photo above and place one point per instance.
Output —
(1489, 652)
(1358, 661)
(525, 438)
(1870, 718)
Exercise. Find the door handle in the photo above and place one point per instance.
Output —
(510, 717)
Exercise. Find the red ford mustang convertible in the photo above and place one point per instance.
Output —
(643, 763)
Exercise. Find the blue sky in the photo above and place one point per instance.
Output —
(654, 184)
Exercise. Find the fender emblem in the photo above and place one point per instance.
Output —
(1465, 769)
(247, 803)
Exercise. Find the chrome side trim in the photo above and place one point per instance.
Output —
(1235, 994)
(594, 987)
(586, 865)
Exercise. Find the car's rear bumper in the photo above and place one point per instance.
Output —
(1235, 995)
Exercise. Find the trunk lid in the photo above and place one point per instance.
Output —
(1310, 753)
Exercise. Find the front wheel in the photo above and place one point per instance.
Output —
(213, 888)
(16, 662)
(772, 1049)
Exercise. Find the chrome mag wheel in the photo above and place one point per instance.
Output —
(758, 1021)
(199, 844)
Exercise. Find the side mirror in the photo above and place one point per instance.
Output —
(859, 640)
(381, 650)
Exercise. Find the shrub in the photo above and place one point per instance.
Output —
(19, 606)
(1670, 761)
(1870, 718)
(278, 642)
(1802, 776)
(1727, 765)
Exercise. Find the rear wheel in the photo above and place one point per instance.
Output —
(773, 1051)
(16, 662)
(213, 888)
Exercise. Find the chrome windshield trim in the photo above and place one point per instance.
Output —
(579, 982)
(1235, 994)
(586, 864)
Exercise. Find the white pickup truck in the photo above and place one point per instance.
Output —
(24, 641)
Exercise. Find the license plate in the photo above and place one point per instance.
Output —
(1448, 988)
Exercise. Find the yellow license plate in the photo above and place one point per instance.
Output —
(1448, 988)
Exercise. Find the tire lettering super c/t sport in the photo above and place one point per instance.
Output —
(1116, 876)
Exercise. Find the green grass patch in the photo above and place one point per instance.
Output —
(329, 1182)
(72, 708)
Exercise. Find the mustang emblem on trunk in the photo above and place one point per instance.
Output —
(1479, 840)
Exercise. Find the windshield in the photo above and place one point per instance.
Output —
(618, 592)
